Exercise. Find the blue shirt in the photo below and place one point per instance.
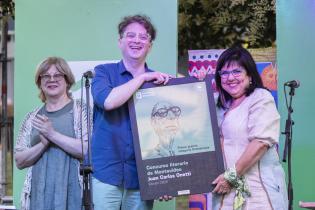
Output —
(113, 157)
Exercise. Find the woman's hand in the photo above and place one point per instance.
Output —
(69, 144)
(222, 185)
(29, 156)
(44, 140)
(44, 126)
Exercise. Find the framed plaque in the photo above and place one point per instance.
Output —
(176, 137)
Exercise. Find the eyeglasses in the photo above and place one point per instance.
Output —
(132, 35)
(163, 112)
(234, 72)
(55, 77)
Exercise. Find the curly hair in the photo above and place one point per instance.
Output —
(143, 20)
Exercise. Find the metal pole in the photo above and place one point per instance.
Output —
(4, 113)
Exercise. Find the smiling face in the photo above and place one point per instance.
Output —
(133, 44)
(53, 83)
(234, 80)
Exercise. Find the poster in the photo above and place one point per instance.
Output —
(176, 137)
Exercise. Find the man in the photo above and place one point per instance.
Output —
(165, 122)
(115, 180)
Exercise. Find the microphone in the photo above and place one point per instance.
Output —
(293, 83)
(89, 74)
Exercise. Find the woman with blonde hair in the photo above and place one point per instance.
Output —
(49, 142)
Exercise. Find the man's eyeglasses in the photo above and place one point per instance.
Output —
(234, 72)
(55, 77)
(163, 112)
(132, 35)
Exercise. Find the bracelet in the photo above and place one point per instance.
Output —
(240, 186)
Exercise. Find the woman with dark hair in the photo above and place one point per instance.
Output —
(249, 131)
(49, 142)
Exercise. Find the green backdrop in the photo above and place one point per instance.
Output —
(81, 30)
(295, 56)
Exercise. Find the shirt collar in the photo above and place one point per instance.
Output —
(122, 69)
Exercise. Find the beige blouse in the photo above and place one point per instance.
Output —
(255, 118)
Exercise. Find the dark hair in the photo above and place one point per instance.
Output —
(142, 20)
(243, 58)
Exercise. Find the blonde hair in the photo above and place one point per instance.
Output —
(62, 66)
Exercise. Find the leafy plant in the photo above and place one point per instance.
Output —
(7, 8)
(215, 24)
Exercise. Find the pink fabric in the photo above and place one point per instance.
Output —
(255, 118)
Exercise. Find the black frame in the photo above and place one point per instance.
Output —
(199, 169)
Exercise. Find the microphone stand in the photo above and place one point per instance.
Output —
(288, 145)
(86, 166)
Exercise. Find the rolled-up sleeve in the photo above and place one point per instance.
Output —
(264, 119)
(101, 85)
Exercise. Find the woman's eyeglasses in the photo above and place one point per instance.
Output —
(55, 77)
(234, 72)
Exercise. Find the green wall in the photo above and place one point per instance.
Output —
(296, 60)
(81, 30)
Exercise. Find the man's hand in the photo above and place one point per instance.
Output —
(156, 77)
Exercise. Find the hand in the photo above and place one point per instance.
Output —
(43, 125)
(165, 198)
(156, 77)
(222, 185)
(44, 140)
